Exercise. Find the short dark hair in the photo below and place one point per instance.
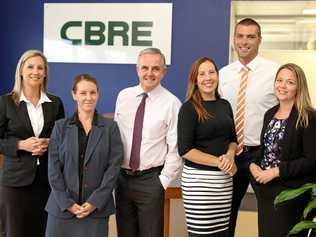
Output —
(249, 22)
(84, 77)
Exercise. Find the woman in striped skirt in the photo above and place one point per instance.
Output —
(207, 142)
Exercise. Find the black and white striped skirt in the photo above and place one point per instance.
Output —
(207, 197)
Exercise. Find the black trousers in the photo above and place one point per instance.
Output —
(139, 205)
(241, 182)
(277, 221)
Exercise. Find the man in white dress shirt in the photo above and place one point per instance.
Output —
(140, 190)
(259, 97)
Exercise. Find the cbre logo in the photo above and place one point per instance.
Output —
(114, 33)
(105, 32)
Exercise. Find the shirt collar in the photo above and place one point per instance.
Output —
(44, 98)
(252, 65)
(75, 119)
(153, 94)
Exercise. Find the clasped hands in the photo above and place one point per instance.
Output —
(81, 211)
(37, 146)
(227, 164)
(263, 176)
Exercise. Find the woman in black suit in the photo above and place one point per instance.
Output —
(27, 117)
(287, 158)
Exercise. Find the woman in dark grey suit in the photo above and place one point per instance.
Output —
(85, 154)
(27, 117)
(288, 151)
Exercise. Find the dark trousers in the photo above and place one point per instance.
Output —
(241, 181)
(276, 221)
(22, 211)
(139, 205)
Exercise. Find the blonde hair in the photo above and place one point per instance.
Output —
(193, 93)
(302, 99)
(17, 88)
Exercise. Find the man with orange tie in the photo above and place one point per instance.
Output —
(147, 118)
(248, 85)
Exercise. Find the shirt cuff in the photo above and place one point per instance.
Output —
(164, 181)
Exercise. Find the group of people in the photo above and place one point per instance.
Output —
(250, 122)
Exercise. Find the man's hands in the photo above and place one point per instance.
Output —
(81, 211)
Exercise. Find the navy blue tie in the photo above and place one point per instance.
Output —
(137, 134)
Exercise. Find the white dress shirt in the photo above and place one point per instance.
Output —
(259, 93)
(36, 112)
(159, 135)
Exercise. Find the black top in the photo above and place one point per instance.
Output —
(82, 144)
(211, 136)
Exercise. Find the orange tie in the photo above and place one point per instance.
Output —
(240, 110)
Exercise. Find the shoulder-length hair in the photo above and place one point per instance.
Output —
(302, 99)
(17, 88)
(193, 93)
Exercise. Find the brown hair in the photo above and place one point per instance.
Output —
(302, 99)
(249, 22)
(84, 77)
(193, 93)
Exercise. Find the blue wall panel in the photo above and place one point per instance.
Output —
(200, 28)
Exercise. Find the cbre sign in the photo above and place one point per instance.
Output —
(105, 32)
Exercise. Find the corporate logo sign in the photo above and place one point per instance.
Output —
(105, 32)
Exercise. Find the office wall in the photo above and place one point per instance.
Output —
(303, 58)
(199, 28)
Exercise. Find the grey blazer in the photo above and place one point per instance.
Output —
(103, 157)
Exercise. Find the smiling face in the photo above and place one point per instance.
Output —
(150, 71)
(246, 42)
(33, 73)
(285, 86)
(207, 80)
(86, 95)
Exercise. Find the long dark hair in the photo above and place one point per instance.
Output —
(193, 92)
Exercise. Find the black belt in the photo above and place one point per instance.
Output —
(250, 148)
(137, 173)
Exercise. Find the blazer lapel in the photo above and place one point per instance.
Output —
(48, 117)
(94, 138)
(288, 133)
(267, 120)
(24, 118)
(73, 142)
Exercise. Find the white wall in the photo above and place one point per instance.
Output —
(304, 58)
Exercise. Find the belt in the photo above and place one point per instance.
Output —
(138, 173)
(250, 148)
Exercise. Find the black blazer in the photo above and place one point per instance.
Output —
(20, 167)
(298, 150)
